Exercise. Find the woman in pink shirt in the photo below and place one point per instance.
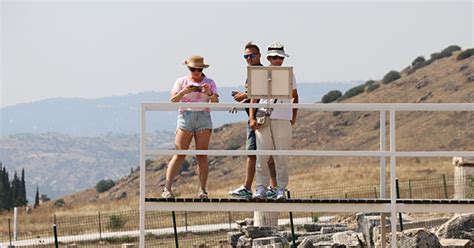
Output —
(192, 122)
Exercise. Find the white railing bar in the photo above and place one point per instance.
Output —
(434, 208)
(319, 106)
(268, 207)
(312, 153)
(307, 207)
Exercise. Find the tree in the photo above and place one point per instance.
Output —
(24, 201)
(36, 197)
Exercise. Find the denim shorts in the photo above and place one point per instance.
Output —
(251, 143)
(194, 121)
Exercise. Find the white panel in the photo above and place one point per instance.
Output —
(259, 82)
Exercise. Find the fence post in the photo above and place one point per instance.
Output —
(174, 229)
(445, 187)
(55, 232)
(410, 189)
(291, 223)
(186, 221)
(10, 232)
(100, 228)
(375, 193)
(345, 195)
(398, 197)
(230, 221)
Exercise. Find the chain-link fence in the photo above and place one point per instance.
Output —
(193, 227)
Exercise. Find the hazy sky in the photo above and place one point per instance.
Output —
(101, 48)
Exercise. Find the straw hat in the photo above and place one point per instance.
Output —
(196, 62)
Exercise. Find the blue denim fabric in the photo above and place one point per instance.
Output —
(251, 143)
(194, 121)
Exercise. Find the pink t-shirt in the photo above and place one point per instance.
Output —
(184, 82)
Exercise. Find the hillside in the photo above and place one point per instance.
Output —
(445, 80)
(62, 164)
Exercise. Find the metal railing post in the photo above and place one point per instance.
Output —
(383, 171)
(142, 177)
(393, 193)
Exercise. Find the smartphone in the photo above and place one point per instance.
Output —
(196, 88)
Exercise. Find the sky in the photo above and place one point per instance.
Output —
(92, 49)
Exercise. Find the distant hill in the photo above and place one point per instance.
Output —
(66, 145)
(443, 80)
(119, 114)
(62, 164)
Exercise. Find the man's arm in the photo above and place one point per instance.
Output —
(252, 122)
(295, 110)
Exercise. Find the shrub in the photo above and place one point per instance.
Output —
(370, 82)
(466, 54)
(104, 185)
(391, 76)
(440, 55)
(59, 203)
(372, 87)
(331, 96)
(419, 59)
(353, 91)
(451, 49)
(116, 222)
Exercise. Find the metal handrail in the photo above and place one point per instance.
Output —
(382, 153)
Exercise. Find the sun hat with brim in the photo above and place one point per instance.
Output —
(276, 49)
(196, 62)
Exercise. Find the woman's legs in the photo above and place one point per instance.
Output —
(202, 138)
(182, 140)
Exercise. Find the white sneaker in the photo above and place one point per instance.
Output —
(241, 193)
(203, 194)
(281, 194)
(167, 193)
(261, 192)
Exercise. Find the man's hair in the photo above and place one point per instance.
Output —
(250, 45)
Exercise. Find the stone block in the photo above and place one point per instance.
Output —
(270, 242)
(244, 242)
(255, 232)
(326, 230)
(233, 237)
(349, 239)
(456, 243)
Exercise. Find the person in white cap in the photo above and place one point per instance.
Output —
(276, 134)
(192, 122)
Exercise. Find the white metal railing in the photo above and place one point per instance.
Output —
(392, 153)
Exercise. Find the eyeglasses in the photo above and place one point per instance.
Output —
(276, 57)
(252, 55)
(192, 69)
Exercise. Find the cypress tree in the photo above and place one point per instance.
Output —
(2, 189)
(15, 190)
(36, 197)
(23, 189)
(7, 190)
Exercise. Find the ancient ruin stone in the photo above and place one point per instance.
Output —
(244, 242)
(233, 237)
(269, 241)
(349, 239)
(306, 243)
(256, 232)
(458, 227)
(420, 238)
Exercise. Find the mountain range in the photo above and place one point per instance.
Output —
(66, 145)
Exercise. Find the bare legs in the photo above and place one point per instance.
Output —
(182, 141)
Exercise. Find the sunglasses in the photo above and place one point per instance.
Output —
(192, 69)
(276, 57)
(251, 56)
